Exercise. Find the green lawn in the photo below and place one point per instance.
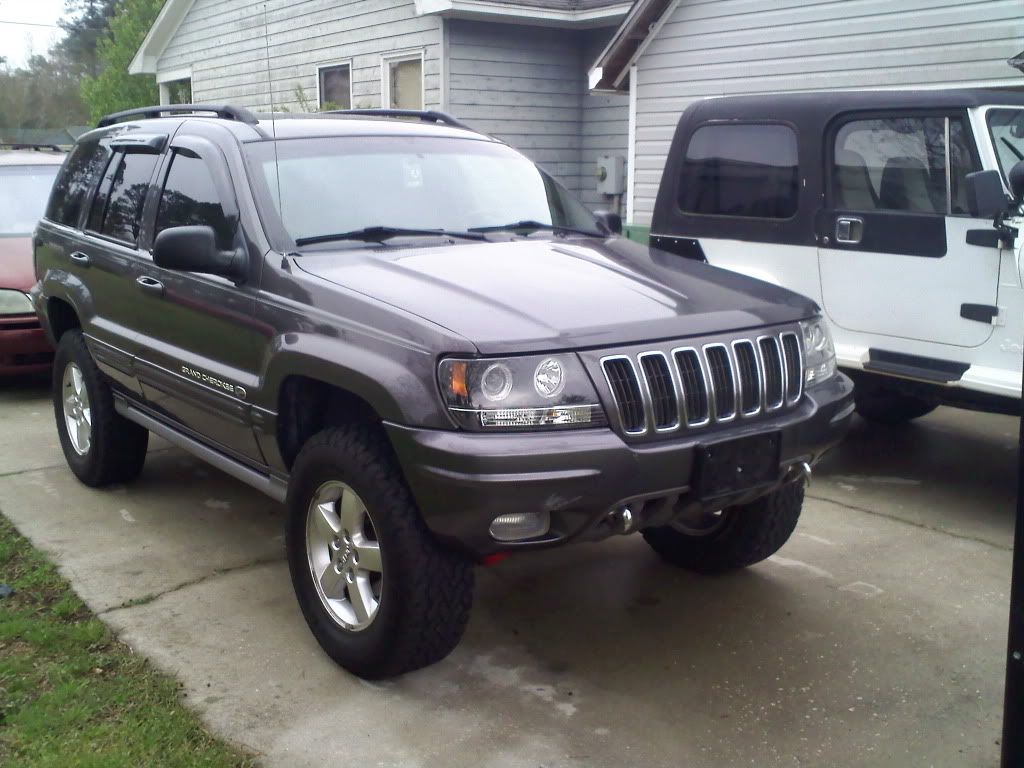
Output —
(73, 695)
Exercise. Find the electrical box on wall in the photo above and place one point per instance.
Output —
(611, 175)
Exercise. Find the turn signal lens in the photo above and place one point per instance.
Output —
(459, 386)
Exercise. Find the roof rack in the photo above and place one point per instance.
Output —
(224, 111)
(29, 145)
(427, 116)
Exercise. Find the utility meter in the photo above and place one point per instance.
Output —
(611, 175)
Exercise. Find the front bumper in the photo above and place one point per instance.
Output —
(24, 348)
(463, 480)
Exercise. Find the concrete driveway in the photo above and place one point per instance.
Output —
(875, 638)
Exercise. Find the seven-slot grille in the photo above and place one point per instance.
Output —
(694, 386)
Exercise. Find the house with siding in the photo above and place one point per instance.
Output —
(668, 53)
(515, 70)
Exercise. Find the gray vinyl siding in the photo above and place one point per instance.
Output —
(722, 47)
(527, 86)
(523, 85)
(223, 41)
(604, 125)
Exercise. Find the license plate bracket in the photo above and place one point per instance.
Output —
(737, 465)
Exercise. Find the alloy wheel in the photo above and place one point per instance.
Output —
(77, 414)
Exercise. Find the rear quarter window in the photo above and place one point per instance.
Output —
(86, 161)
(749, 170)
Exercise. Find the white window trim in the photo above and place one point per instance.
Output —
(171, 76)
(387, 59)
(338, 63)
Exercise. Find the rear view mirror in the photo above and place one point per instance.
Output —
(609, 223)
(1016, 179)
(194, 249)
(985, 196)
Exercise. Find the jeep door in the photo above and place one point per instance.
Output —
(893, 252)
(88, 246)
(199, 347)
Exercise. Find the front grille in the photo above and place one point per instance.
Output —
(794, 367)
(695, 389)
(723, 387)
(771, 363)
(626, 390)
(664, 405)
(696, 386)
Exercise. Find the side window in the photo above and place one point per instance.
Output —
(900, 164)
(741, 170)
(83, 165)
(190, 198)
(117, 207)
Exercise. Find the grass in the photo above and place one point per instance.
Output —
(71, 694)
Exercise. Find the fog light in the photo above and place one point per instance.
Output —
(520, 525)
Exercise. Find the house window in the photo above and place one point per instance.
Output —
(741, 170)
(334, 83)
(176, 86)
(403, 81)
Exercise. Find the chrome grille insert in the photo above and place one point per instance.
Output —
(694, 387)
(656, 392)
(748, 376)
(662, 389)
(625, 387)
(774, 372)
(723, 385)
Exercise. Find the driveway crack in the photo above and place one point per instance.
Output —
(914, 523)
(153, 596)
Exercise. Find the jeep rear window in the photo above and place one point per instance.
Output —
(343, 184)
(86, 161)
(741, 170)
(1007, 129)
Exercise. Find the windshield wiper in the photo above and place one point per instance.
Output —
(379, 234)
(535, 226)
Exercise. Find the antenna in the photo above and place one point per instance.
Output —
(273, 121)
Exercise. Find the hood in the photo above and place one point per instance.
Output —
(16, 269)
(544, 295)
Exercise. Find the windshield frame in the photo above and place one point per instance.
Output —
(1004, 172)
(282, 241)
(36, 167)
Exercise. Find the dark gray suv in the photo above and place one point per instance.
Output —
(428, 348)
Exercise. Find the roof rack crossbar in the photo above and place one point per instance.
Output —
(426, 115)
(224, 111)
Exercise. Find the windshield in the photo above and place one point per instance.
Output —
(24, 190)
(1007, 129)
(346, 184)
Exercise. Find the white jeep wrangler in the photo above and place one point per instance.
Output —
(889, 209)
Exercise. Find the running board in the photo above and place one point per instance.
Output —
(271, 486)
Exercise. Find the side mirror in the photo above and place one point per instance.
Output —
(1016, 179)
(610, 223)
(194, 249)
(985, 196)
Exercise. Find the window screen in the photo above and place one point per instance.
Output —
(190, 198)
(899, 164)
(741, 170)
(76, 178)
(336, 87)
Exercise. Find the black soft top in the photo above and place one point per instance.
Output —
(821, 106)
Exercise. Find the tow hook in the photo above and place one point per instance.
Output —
(622, 519)
(799, 471)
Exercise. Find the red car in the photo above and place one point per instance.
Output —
(26, 176)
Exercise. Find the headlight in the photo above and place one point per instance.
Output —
(520, 393)
(15, 303)
(819, 352)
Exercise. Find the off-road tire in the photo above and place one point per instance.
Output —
(117, 449)
(748, 534)
(427, 590)
(885, 406)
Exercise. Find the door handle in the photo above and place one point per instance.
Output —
(849, 229)
(150, 285)
(82, 259)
